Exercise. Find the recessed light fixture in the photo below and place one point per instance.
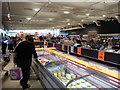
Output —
(82, 20)
(87, 14)
(116, 16)
(104, 15)
(50, 19)
(68, 23)
(66, 12)
(36, 9)
(8, 15)
(29, 18)
(68, 20)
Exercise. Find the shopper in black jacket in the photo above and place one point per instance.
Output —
(23, 58)
(4, 46)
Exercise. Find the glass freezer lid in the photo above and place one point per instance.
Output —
(66, 70)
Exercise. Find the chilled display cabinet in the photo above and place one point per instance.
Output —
(56, 71)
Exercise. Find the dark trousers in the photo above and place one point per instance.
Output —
(4, 48)
(25, 75)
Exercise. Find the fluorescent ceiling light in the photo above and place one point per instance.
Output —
(8, 15)
(116, 16)
(66, 12)
(29, 18)
(68, 23)
(87, 14)
(104, 15)
(82, 20)
(50, 19)
(36, 9)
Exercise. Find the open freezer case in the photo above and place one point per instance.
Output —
(68, 74)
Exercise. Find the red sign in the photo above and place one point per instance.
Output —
(21, 32)
(63, 47)
(101, 55)
(36, 33)
(79, 51)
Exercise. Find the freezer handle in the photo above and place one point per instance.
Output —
(78, 78)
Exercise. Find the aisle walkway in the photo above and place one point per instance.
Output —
(14, 84)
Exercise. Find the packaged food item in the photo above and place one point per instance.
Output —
(63, 73)
(55, 73)
(68, 76)
(93, 87)
(83, 85)
(88, 84)
(59, 73)
(78, 82)
(73, 75)
(82, 81)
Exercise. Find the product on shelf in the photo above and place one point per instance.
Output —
(43, 60)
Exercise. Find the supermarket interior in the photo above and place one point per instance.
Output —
(60, 45)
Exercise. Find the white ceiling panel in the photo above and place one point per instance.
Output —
(52, 14)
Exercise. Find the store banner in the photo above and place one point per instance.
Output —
(79, 51)
(72, 49)
(63, 47)
(101, 55)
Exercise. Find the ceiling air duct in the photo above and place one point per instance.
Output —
(81, 25)
(96, 23)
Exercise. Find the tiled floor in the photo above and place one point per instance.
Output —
(12, 84)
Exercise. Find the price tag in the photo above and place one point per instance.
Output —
(101, 55)
(63, 47)
(79, 51)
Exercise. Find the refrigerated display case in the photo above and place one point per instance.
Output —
(67, 74)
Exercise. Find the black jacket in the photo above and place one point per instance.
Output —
(24, 51)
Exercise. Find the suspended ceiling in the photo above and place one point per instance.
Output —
(51, 15)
